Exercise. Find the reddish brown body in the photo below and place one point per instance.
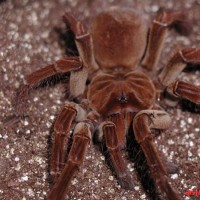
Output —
(128, 92)
(116, 58)
(119, 39)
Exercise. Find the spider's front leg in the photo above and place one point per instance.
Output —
(110, 134)
(174, 67)
(161, 24)
(66, 64)
(62, 127)
(81, 138)
(142, 124)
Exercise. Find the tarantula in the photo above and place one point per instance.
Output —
(112, 91)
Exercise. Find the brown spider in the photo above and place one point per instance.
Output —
(119, 92)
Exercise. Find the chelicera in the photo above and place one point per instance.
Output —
(117, 57)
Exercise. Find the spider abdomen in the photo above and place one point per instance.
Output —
(130, 92)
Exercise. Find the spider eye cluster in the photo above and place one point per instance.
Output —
(122, 99)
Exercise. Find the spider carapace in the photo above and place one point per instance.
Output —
(118, 56)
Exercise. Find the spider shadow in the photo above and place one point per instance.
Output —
(187, 105)
(66, 40)
(192, 67)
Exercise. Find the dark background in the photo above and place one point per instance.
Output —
(29, 40)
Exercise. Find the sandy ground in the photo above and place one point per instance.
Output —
(29, 41)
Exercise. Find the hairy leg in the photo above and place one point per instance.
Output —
(185, 90)
(175, 66)
(85, 48)
(62, 127)
(82, 135)
(109, 133)
(161, 24)
(143, 122)
(81, 140)
(83, 41)
(66, 64)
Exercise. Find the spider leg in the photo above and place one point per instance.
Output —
(81, 138)
(185, 90)
(110, 135)
(85, 48)
(66, 64)
(164, 21)
(143, 122)
(62, 127)
(174, 67)
(119, 121)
